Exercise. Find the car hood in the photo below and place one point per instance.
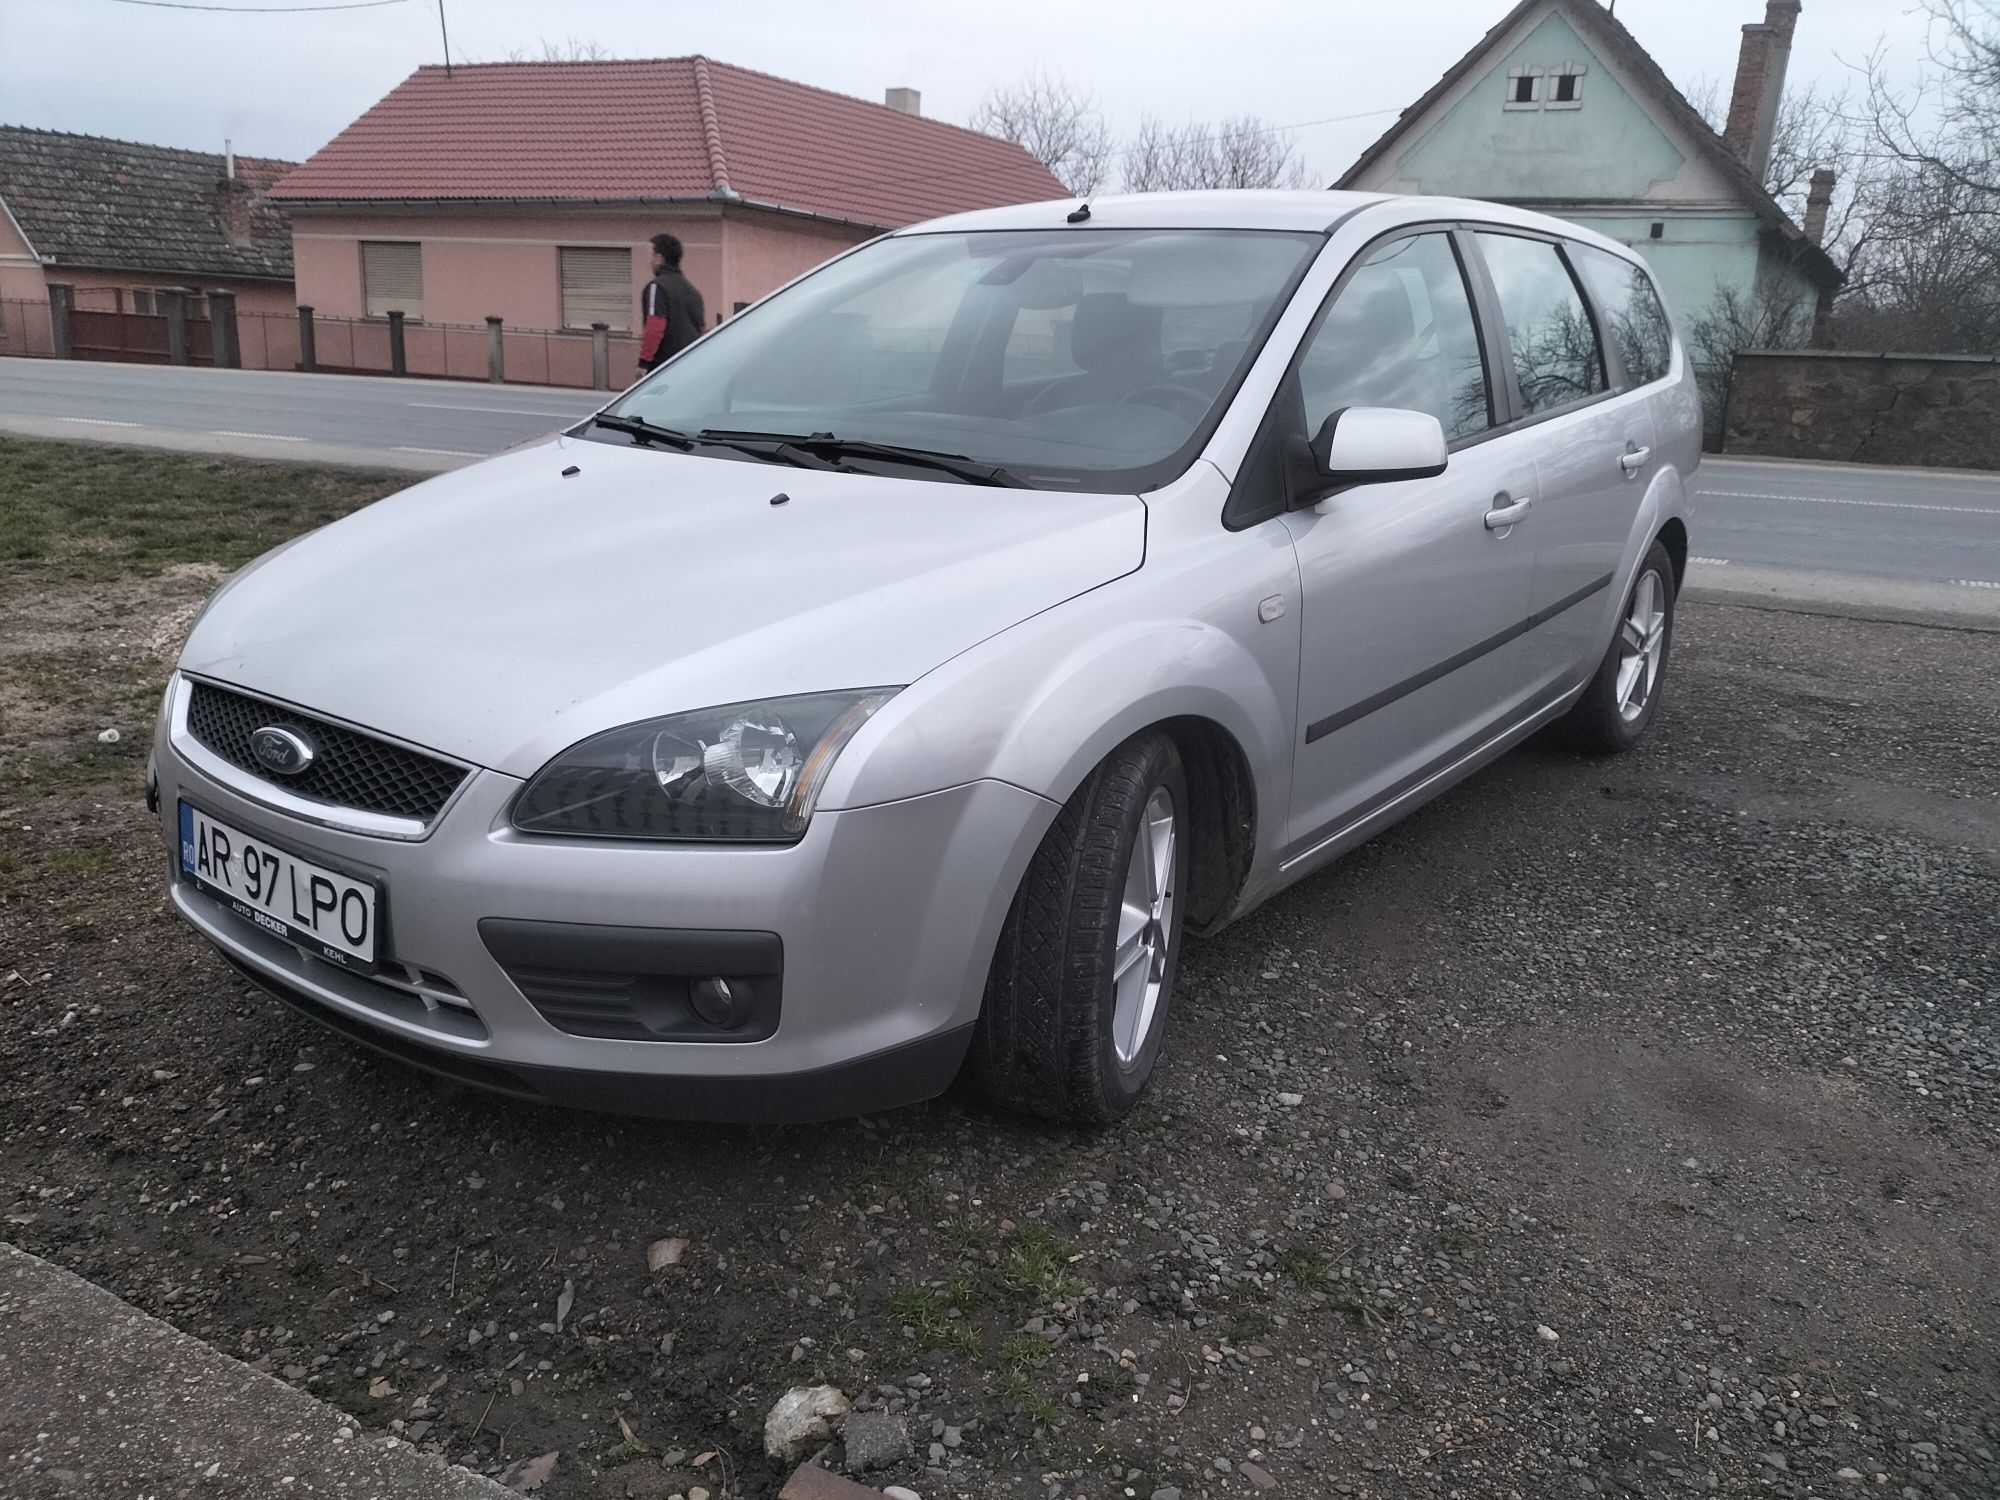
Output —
(505, 611)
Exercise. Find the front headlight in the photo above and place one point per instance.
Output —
(742, 771)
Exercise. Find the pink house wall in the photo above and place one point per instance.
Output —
(479, 263)
(763, 251)
(490, 262)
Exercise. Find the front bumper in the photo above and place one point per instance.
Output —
(885, 918)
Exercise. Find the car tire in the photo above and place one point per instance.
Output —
(1091, 926)
(1624, 692)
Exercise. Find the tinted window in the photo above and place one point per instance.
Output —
(1401, 333)
(1552, 342)
(1633, 317)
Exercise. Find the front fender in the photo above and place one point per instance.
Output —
(1040, 704)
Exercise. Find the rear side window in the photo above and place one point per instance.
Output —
(1634, 319)
(1400, 333)
(1549, 333)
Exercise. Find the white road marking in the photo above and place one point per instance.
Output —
(1957, 510)
(99, 421)
(442, 452)
(1713, 562)
(505, 411)
(1975, 583)
(267, 437)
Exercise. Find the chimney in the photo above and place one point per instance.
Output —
(909, 101)
(1819, 198)
(1760, 84)
(232, 199)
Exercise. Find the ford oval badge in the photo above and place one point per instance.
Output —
(284, 752)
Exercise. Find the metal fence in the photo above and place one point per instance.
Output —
(100, 329)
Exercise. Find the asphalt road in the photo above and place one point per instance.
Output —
(1899, 526)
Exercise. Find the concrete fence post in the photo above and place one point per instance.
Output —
(173, 302)
(398, 364)
(308, 355)
(600, 356)
(496, 353)
(228, 349)
(62, 302)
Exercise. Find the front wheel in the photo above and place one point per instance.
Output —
(1625, 690)
(1076, 1002)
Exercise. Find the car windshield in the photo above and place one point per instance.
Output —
(1086, 359)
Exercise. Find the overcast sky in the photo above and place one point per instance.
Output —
(282, 85)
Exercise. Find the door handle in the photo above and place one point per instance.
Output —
(1631, 462)
(1503, 516)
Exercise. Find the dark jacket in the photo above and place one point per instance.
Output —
(673, 317)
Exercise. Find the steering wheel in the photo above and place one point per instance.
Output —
(1173, 398)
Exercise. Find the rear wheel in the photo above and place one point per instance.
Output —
(1077, 999)
(1619, 702)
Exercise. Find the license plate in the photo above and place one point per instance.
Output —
(323, 911)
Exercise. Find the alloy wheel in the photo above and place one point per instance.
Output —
(1145, 929)
(1642, 638)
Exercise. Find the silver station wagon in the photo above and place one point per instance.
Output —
(883, 687)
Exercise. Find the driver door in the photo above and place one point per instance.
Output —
(1414, 592)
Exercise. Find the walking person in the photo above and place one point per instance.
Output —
(670, 305)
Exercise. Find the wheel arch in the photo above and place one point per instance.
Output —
(1673, 535)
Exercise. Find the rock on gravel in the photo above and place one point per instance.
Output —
(804, 1417)
(875, 1440)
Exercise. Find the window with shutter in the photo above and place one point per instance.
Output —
(596, 288)
(392, 278)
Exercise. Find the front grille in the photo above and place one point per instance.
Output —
(350, 770)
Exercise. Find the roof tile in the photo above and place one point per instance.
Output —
(86, 200)
(642, 131)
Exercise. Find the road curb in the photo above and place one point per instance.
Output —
(98, 1398)
(174, 440)
(1852, 596)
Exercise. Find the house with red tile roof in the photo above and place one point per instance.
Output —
(529, 191)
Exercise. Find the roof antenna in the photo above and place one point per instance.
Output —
(445, 37)
(1079, 213)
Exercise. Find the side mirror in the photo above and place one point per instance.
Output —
(1374, 444)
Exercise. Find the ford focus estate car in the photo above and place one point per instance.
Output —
(883, 687)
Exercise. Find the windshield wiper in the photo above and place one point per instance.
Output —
(774, 446)
(640, 430)
(827, 445)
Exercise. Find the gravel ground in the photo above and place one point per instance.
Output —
(1617, 1127)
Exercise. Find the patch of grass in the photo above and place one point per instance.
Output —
(929, 1311)
(1040, 1410)
(585, 1376)
(1011, 1384)
(77, 861)
(1034, 1260)
(1023, 1351)
(1367, 1309)
(1305, 1268)
(1115, 1380)
(960, 1236)
(84, 511)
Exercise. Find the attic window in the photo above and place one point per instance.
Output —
(1524, 89)
(1566, 86)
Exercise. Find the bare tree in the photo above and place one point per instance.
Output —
(1771, 317)
(1948, 124)
(1058, 124)
(569, 49)
(1242, 152)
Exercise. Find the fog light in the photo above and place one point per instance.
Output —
(719, 1004)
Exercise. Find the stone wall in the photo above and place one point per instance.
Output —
(1934, 410)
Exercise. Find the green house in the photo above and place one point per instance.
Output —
(1558, 108)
